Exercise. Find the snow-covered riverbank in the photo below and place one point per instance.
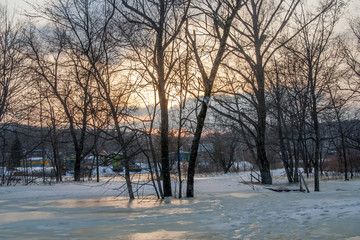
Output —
(223, 208)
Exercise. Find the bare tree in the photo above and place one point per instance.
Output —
(181, 83)
(156, 26)
(340, 103)
(11, 60)
(256, 37)
(279, 109)
(290, 92)
(56, 64)
(150, 150)
(316, 38)
(260, 30)
(53, 126)
(99, 51)
(221, 14)
(225, 148)
(352, 53)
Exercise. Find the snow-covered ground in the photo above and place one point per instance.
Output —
(223, 208)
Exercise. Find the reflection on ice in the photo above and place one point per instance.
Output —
(242, 195)
(172, 235)
(92, 231)
(11, 217)
(117, 202)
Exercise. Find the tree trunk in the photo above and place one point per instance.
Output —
(284, 155)
(343, 146)
(97, 168)
(351, 165)
(194, 148)
(262, 161)
(77, 167)
(156, 167)
(165, 166)
(179, 157)
(128, 179)
(264, 165)
(317, 145)
(208, 84)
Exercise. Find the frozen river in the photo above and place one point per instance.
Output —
(222, 209)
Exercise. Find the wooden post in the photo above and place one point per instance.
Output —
(251, 175)
(302, 179)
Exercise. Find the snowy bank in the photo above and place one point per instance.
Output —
(223, 208)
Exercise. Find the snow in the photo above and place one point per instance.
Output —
(243, 166)
(224, 208)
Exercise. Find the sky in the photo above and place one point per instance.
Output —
(16, 4)
(353, 11)
(20, 5)
(354, 7)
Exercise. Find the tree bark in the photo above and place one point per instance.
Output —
(194, 148)
(262, 160)
(208, 81)
(165, 166)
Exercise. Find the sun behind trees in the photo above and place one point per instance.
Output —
(262, 76)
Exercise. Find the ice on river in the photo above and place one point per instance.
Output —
(223, 208)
